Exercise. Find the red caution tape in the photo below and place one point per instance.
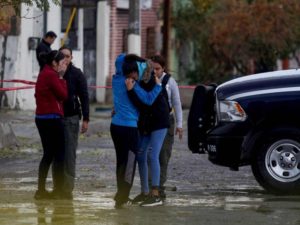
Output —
(32, 83)
(95, 87)
(187, 86)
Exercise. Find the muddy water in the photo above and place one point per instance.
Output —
(198, 192)
(214, 199)
(214, 209)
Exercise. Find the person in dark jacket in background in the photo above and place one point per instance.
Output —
(44, 47)
(75, 107)
(50, 92)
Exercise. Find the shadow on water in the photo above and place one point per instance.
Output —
(230, 204)
(179, 209)
(55, 212)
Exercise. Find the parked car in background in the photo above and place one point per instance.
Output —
(252, 120)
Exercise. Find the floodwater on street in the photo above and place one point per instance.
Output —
(198, 192)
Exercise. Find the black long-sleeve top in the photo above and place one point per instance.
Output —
(78, 97)
(157, 115)
(43, 48)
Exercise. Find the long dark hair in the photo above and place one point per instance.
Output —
(67, 48)
(160, 60)
(54, 55)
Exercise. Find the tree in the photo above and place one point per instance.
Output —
(43, 5)
(229, 35)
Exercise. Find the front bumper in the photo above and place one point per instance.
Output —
(224, 151)
(224, 145)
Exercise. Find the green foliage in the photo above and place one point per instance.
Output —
(237, 36)
(43, 5)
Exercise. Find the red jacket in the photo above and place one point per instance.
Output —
(50, 92)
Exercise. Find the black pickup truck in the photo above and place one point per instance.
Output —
(252, 120)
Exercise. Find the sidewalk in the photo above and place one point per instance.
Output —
(16, 125)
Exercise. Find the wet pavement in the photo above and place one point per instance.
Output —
(198, 192)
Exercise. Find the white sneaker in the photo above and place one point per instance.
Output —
(152, 201)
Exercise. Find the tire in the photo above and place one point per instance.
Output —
(276, 165)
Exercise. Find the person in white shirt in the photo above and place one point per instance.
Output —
(158, 65)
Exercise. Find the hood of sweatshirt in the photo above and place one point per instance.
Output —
(118, 64)
(144, 71)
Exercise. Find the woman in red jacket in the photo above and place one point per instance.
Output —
(50, 92)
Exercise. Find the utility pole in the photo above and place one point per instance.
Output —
(134, 24)
(166, 31)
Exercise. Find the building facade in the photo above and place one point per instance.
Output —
(97, 34)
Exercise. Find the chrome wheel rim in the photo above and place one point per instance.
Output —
(282, 160)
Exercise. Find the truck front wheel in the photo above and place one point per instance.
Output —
(276, 165)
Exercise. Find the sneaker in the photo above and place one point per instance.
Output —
(42, 194)
(121, 205)
(140, 198)
(152, 201)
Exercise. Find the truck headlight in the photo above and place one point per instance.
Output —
(231, 111)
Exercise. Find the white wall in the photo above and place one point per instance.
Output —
(54, 22)
(102, 66)
(27, 67)
(10, 67)
(23, 64)
(27, 64)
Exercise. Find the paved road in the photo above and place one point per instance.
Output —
(206, 194)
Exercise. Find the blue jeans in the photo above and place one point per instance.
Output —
(150, 146)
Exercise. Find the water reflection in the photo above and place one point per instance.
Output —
(254, 206)
(55, 212)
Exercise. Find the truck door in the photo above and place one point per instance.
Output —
(201, 117)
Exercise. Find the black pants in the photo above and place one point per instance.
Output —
(126, 143)
(53, 140)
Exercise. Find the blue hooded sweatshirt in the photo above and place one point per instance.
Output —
(126, 114)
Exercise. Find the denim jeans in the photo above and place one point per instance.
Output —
(150, 146)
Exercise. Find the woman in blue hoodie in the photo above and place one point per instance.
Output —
(124, 130)
(153, 124)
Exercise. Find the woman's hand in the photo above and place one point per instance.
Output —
(129, 83)
(84, 126)
(61, 69)
(157, 80)
(179, 131)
